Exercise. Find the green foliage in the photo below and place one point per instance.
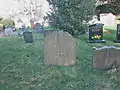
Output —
(113, 7)
(7, 22)
(71, 15)
(108, 8)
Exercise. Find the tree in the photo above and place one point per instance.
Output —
(116, 3)
(32, 9)
(7, 22)
(71, 15)
(113, 6)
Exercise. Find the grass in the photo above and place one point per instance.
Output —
(110, 27)
(22, 67)
(49, 28)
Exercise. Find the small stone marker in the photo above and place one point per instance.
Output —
(24, 29)
(96, 33)
(28, 37)
(118, 34)
(38, 28)
(59, 48)
(104, 58)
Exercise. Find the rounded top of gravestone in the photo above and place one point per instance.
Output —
(96, 24)
(104, 47)
(37, 24)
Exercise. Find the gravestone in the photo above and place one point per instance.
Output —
(59, 48)
(38, 28)
(2, 34)
(118, 34)
(96, 33)
(28, 37)
(104, 58)
(48, 32)
(114, 56)
(24, 29)
(15, 33)
(99, 57)
(8, 31)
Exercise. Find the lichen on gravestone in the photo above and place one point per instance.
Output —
(105, 57)
(60, 47)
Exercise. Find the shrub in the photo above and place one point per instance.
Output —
(7, 22)
(71, 15)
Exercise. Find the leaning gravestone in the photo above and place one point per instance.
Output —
(38, 28)
(28, 37)
(104, 58)
(96, 33)
(118, 34)
(59, 48)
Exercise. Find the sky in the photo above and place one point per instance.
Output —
(12, 6)
(6, 6)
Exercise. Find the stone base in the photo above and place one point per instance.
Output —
(96, 41)
(117, 41)
(28, 41)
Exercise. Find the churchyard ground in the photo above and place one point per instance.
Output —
(22, 66)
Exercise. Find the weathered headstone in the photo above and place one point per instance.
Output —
(118, 34)
(59, 48)
(114, 56)
(99, 57)
(24, 29)
(8, 31)
(15, 33)
(48, 32)
(106, 57)
(96, 33)
(38, 27)
(28, 37)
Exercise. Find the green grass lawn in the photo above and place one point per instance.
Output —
(22, 67)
